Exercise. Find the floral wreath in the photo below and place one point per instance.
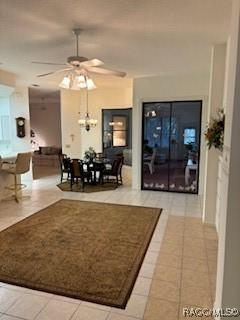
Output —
(214, 134)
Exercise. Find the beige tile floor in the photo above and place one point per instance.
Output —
(179, 268)
(185, 272)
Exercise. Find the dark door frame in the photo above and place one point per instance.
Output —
(128, 123)
(199, 147)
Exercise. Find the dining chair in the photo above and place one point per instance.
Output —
(115, 170)
(120, 172)
(65, 166)
(78, 173)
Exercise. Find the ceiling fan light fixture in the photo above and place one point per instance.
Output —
(65, 83)
(82, 85)
(81, 78)
(76, 84)
(90, 84)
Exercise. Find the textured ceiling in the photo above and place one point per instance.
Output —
(141, 37)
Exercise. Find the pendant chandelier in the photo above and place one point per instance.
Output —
(87, 122)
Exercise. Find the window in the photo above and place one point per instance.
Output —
(189, 136)
(5, 131)
(116, 128)
(119, 129)
(117, 133)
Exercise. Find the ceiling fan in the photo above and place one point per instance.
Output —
(81, 66)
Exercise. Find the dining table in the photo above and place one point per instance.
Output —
(97, 167)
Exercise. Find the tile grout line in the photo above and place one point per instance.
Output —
(5, 314)
(73, 315)
(151, 280)
(181, 273)
(165, 224)
(209, 275)
(13, 302)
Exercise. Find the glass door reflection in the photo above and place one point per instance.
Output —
(170, 150)
(156, 126)
(184, 148)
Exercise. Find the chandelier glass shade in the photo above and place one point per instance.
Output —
(77, 82)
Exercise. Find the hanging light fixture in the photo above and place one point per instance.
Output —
(65, 83)
(77, 82)
(90, 84)
(87, 122)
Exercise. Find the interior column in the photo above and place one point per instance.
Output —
(228, 275)
(216, 89)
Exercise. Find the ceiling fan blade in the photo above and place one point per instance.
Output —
(49, 63)
(45, 74)
(106, 71)
(53, 72)
(92, 63)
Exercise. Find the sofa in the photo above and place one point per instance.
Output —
(47, 156)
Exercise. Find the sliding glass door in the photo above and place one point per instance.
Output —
(170, 146)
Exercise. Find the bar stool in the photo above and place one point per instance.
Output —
(21, 166)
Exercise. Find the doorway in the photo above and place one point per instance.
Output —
(117, 138)
(171, 146)
(117, 133)
(45, 121)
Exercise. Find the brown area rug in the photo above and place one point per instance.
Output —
(86, 250)
(88, 188)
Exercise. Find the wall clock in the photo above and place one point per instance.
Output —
(20, 122)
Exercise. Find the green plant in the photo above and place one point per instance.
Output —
(215, 131)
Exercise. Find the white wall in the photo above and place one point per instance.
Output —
(71, 134)
(19, 107)
(16, 104)
(166, 88)
(7, 79)
(228, 276)
(76, 140)
(216, 91)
